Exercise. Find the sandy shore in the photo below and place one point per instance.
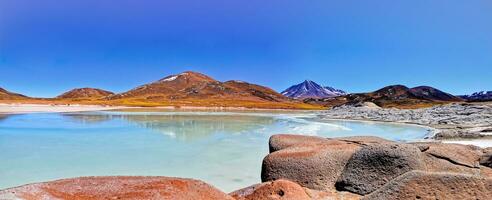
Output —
(39, 108)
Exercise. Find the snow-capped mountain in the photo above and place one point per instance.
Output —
(479, 96)
(310, 89)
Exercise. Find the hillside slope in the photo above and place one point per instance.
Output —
(7, 95)
(85, 93)
(398, 96)
(196, 89)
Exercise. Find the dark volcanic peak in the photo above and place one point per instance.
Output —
(393, 91)
(7, 95)
(430, 93)
(479, 96)
(397, 96)
(421, 93)
(80, 93)
(310, 89)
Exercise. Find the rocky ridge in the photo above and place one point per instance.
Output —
(458, 120)
(311, 168)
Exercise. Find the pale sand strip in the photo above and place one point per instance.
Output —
(484, 143)
(39, 108)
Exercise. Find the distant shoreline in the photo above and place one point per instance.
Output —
(431, 130)
(22, 108)
(16, 108)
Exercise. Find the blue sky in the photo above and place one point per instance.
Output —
(47, 47)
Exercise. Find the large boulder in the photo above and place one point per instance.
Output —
(376, 164)
(434, 164)
(312, 165)
(282, 141)
(279, 189)
(364, 140)
(117, 188)
(458, 154)
(288, 190)
(427, 185)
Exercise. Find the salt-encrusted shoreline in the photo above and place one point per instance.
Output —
(467, 121)
(42, 108)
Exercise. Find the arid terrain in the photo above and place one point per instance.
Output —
(195, 89)
(394, 96)
(184, 89)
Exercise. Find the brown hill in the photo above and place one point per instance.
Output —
(196, 89)
(430, 93)
(186, 84)
(398, 96)
(6, 95)
(85, 93)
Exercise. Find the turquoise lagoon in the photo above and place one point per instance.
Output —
(224, 149)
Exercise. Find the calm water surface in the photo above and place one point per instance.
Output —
(221, 148)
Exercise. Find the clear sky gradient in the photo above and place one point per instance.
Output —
(50, 46)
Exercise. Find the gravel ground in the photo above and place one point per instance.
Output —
(464, 120)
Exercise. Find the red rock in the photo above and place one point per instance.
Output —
(486, 159)
(312, 165)
(86, 188)
(364, 140)
(279, 189)
(425, 185)
(465, 155)
(282, 141)
(376, 164)
(286, 190)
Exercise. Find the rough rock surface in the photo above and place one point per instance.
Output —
(466, 155)
(279, 189)
(86, 188)
(486, 159)
(451, 120)
(374, 165)
(313, 165)
(288, 190)
(364, 140)
(282, 141)
(425, 185)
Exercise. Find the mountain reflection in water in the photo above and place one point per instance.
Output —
(184, 126)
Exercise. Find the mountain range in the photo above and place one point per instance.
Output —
(478, 96)
(398, 96)
(310, 89)
(196, 89)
